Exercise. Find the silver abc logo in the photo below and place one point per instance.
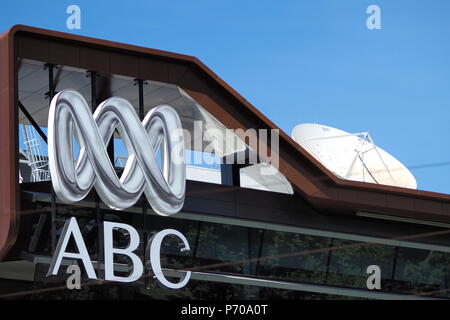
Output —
(71, 116)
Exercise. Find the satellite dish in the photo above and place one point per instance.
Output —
(352, 156)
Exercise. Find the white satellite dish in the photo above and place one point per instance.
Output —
(352, 156)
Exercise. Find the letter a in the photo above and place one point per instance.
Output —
(71, 228)
(373, 21)
(374, 281)
(74, 280)
(74, 20)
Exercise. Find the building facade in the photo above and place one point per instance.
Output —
(301, 233)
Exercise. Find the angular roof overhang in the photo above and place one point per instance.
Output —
(310, 179)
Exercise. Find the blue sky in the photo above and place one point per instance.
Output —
(301, 61)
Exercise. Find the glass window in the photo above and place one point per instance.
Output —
(232, 245)
(304, 257)
(421, 271)
(349, 261)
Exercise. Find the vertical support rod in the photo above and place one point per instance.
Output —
(230, 172)
(394, 264)
(261, 241)
(249, 250)
(329, 259)
(93, 75)
(141, 99)
(144, 202)
(197, 236)
(51, 93)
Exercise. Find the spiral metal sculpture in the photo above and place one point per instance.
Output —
(71, 116)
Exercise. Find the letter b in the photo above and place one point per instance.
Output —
(110, 251)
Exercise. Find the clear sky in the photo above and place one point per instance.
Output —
(301, 61)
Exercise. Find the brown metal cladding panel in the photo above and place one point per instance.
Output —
(123, 64)
(218, 192)
(8, 149)
(150, 68)
(246, 132)
(94, 59)
(63, 53)
(267, 199)
(177, 70)
(445, 209)
(208, 206)
(303, 180)
(427, 206)
(250, 137)
(208, 95)
(193, 80)
(399, 202)
(362, 197)
(206, 102)
(263, 214)
(33, 48)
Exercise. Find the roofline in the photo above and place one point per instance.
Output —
(327, 189)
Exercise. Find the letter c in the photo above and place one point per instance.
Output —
(155, 257)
